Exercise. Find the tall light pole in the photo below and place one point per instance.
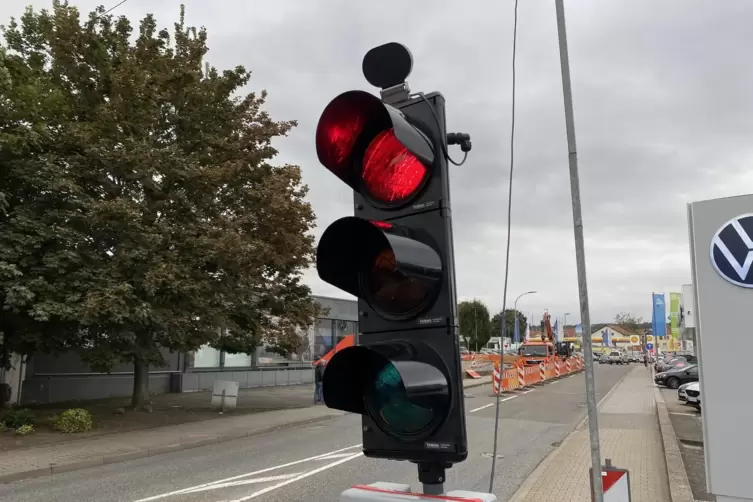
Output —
(580, 254)
(515, 309)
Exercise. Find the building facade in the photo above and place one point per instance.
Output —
(45, 378)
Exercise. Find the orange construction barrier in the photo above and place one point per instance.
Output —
(346, 342)
(521, 375)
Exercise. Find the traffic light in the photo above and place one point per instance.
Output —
(396, 255)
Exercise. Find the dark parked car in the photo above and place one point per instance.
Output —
(678, 376)
(662, 365)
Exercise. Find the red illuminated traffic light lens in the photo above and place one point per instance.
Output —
(390, 172)
(392, 293)
(340, 127)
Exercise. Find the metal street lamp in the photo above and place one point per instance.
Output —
(515, 309)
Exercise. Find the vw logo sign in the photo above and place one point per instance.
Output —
(732, 251)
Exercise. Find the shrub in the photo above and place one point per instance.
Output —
(24, 430)
(19, 417)
(74, 420)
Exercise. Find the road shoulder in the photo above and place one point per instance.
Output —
(114, 448)
(680, 485)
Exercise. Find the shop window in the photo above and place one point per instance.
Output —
(237, 360)
(206, 357)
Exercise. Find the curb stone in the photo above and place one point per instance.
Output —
(54, 469)
(538, 471)
(679, 485)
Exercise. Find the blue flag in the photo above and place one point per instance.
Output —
(658, 324)
(605, 338)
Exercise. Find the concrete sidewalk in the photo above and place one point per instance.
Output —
(75, 455)
(629, 435)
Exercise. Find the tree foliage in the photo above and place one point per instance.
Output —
(475, 326)
(629, 322)
(138, 190)
(509, 324)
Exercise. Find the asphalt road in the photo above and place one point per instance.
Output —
(688, 426)
(316, 463)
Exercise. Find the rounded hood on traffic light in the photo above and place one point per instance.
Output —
(395, 274)
(374, 148)
(398, 384)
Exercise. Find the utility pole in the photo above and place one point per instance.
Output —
(580, 255)
(475, 325)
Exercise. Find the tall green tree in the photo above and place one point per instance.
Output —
(187, 233)
(509, 324)
(475, 327)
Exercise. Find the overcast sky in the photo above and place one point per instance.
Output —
(663, 113)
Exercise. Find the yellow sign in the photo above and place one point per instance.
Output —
(649, 339)
(634, 340)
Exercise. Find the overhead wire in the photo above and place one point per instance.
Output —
(507, 251)
(113, 8)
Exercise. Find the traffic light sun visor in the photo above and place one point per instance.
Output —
(398, 276)
(373, 148)
(406, 398)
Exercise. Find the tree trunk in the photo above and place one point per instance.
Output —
(140, 384)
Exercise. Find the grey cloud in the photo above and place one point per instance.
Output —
(661, 92)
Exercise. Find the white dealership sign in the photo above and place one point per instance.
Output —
(721, 246)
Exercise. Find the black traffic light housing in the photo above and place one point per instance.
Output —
(396, 255)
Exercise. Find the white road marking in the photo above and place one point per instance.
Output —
(243, 482)
(553, 382)
(335, 456)
(492, 404)
(684, 414)
(482, 408)
(249, 474)
(298, 478)
(528, 391)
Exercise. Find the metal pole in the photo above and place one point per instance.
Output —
(580, 258)
(475, 324)
(515, 308)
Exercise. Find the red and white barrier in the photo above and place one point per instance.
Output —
(522, 375)
(496, 379)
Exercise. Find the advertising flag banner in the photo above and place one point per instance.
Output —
(556, 331)
(658, 319)
(674, 320)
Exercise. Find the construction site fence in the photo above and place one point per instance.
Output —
(523, 375)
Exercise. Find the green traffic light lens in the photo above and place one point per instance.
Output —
(391, 408)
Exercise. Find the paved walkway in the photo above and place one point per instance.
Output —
(112, 448)
(629, 435)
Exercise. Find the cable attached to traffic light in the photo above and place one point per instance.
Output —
(509, 232)
(453, 138)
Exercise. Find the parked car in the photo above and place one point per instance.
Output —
(615, 357)
(693, 392)
(663, 365)
(678, 376)
(681, 391)
(625, 359)
(604, 359)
